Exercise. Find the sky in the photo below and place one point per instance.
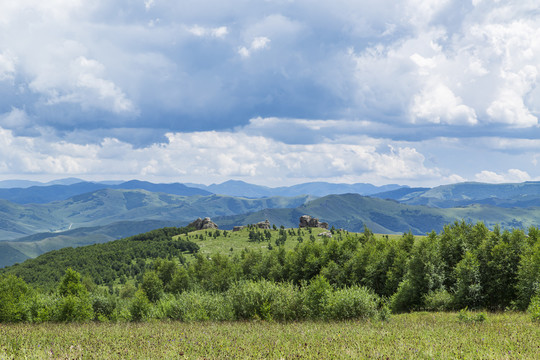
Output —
(272, 92)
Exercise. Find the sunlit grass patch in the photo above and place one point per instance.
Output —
(405, 336)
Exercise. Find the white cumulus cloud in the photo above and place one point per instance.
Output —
(438, 104)
(512, 175)
(217, 32)
(83, 83)
(258, 43)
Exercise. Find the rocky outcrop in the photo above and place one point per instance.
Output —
(265, 225)
(202, 224)
(308, 221)
(325, 233)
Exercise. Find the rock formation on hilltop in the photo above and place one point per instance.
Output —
(325, 233)
(202, 224)
(265, 225)
(308, 221)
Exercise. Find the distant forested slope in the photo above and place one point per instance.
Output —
(352, 212)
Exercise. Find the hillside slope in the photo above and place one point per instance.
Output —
(523, 195)
(107, 206)
(28, 247)
(241, 188)
(105, 262)
(104, 215)
(48, 193)
(352, 212)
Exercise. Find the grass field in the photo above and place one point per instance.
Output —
(407, 336)
(236, 241)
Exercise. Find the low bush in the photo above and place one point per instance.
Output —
(195, 306)
(315, 296)
(401, 300)
(534, 308)
(356, 302)
(40, 308)
(438, 300)
(266, 300)
(13, 294)
(467, 316)
(252, 299)
(140, 307)
(103, 306)
(73, 308)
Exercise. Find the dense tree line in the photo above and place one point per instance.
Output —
(346, 276)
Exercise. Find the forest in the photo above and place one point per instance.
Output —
(290, 274)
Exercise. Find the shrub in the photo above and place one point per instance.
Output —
(384, 312)
(401, 300)
(356, 302)
(252, 299)
(190, 307)
(152, 286)
(287, 304)
(315, 296)
(265, 300)
(140, 306)
(217, 307)
(466, 316)
(122, 311)
(534, 308)
(13, 294)
(128, 290)
(40, 308)
(103, 306)
(195, 306)
(74, 303)
(74, 308)
(180, 281)
(438, 300)
(71, 284)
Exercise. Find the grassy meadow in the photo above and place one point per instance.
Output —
(236, 241)
(407, 336)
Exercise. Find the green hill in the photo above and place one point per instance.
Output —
(9, 255)
(106, 215)
(31, 246)
(107, 206)
(523, 195)
(127, 258)
(108, 262)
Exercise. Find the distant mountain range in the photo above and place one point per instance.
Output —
(240, 188)
(8, 184)
(521, 195)
(106, 206)
(41, 218)
(109, 214)
(462, 194)
(43, 193)
(103, 216)
(352, 212)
